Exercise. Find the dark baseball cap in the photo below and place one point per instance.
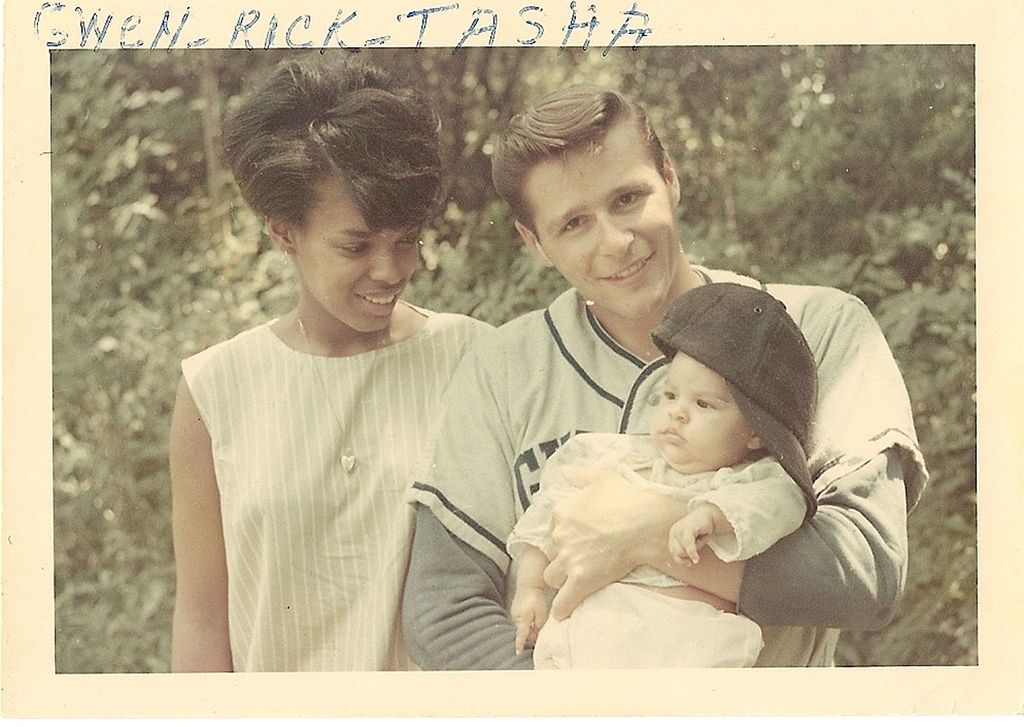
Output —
(746, 336)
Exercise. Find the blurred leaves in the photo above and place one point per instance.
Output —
(849, 166)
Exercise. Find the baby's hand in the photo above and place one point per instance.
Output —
(529, 610)
(690, 532)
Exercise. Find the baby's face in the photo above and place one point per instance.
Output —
(697, 425)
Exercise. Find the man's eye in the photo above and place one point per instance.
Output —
(574, 224)
(630, 198)
(351, 249)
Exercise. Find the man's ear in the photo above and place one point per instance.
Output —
(533, 243)
(668, 173)
(281, 234)
(754, 443)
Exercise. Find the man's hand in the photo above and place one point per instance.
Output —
(581, 474)
(601, 533)
(529, 611)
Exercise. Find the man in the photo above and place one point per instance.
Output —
(593, 193)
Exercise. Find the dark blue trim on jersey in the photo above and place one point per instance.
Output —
(628, 410)
(575, 364)
(495, 541)
(707, 279)
(837, 460)
(825, 468)
(611, 342)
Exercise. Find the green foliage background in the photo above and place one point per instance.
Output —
(845, 166)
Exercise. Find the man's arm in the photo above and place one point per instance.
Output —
(846, 567)
(610, 527)
(453, 610)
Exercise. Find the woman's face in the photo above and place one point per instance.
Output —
(347, 271)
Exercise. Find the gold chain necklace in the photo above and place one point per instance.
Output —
(348, 460)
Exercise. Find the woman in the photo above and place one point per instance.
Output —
(292, 444)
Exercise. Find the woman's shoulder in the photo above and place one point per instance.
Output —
(456, 322)
(245, 343)
(452, 329)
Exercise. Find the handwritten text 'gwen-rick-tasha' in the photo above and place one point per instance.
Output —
(63, 27)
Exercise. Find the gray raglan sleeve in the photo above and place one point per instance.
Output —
(846, 567)
(454, 602)
(452, 612)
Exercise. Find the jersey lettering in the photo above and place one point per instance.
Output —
(529, 463)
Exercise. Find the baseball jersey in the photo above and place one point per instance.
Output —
(526, 388)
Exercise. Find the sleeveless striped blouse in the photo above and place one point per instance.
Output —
(316, 524)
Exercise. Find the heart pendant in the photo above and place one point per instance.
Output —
(348, 462)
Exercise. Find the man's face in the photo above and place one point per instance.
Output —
(603, 217)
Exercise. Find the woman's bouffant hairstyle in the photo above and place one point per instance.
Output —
(319, 117)
(559, 124)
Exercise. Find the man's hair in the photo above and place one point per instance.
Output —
(561, 123)
(320, 117)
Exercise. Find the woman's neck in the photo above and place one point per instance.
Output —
(312, 330)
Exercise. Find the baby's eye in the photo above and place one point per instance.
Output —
(668, 396)
(703, 404)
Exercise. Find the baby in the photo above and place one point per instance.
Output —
(727, 436)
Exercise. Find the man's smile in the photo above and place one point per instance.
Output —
(629, 271)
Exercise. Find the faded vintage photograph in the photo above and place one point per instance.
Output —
(548, 359)
(514, 358)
